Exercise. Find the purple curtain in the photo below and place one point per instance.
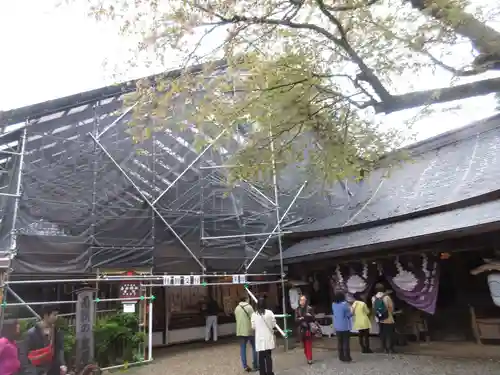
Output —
(414, 279)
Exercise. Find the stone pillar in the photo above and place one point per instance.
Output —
(85, 313)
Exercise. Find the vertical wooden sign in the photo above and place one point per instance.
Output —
(85, 308)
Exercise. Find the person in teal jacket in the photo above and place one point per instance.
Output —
(342, 323)
(243, 313)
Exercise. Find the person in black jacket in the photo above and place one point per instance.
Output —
(210, 311)
(45, 334)
(304, 316)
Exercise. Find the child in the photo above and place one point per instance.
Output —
(362, 323)
(342, 323)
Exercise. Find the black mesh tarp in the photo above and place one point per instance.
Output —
(78, 211)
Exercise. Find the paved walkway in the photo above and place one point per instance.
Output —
(223, 358)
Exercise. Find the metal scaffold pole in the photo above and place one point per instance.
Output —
(94, 175)
(201, 178)
(276, 227)
(128, 278)
(153, 216)
(93, 221)
(280, 244)
(20, 300)
(281, 331)
(13, 232)
(148, 290)
(150, 204)
(198, 157)
(13, 237)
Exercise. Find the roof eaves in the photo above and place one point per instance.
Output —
(47, 108)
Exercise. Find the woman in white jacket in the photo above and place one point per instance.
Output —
(263, 322)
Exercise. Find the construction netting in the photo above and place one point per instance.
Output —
(92, 197)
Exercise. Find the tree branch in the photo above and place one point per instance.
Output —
(366, 74)
(442, 95)
(333, 19)
(484, 38)
(345, 8)
(387, 103)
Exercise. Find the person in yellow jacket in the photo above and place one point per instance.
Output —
(362, 323)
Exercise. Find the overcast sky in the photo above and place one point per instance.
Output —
(50, 52)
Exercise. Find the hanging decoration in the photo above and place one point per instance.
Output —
(494, 285)
(414, 279)
(130, 289)
(356, 278)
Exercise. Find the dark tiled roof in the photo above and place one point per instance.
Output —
(397, 234)
(446, 169)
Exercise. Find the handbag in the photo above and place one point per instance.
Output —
(315, 329)
(43, 356)
(312, 326)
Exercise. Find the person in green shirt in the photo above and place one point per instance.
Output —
(243, 313)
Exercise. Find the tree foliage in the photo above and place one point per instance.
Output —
(303, 76)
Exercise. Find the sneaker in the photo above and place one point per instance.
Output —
(309, 362)
(247, 369)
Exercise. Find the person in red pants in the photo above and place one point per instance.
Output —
(304, 316)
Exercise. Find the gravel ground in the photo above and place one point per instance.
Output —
(223, 358)
(380, 364)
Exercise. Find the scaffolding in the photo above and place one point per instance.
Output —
(145, 315)
(81, 195)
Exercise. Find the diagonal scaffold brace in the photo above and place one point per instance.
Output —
(252, 296)
(198, 157)
(276, 229)
(151, 204)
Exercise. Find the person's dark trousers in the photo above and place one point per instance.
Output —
(387, 332)
(364, 340)
(344, 345)
(243, 351)
(265, 363)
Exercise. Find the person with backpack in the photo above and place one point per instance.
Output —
(342, 323)
(362, 323)
(243, 314)
(263, 323)
(383, 309)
